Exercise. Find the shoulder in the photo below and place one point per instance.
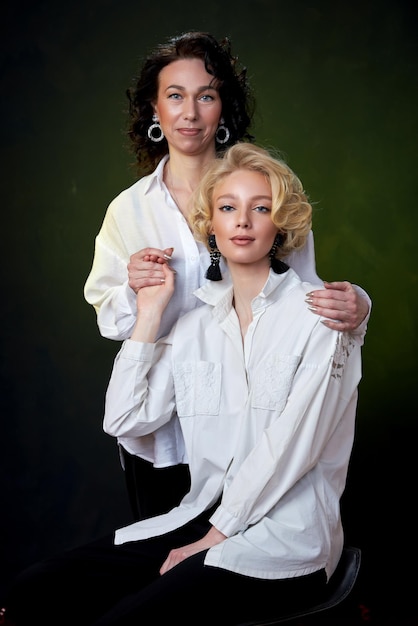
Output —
(292, 308)
(131, 200)
(139, 187)
(143, 193)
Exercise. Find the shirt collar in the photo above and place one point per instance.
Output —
(219, 294)
(156, 177)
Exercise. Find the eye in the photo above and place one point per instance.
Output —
(262, 209)
(174, 96)
(207, 98)
(226, 208)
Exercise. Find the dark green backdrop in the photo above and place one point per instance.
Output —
(336, 86)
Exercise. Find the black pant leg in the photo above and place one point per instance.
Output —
(77, 587)
(192, 593)
(101, 584)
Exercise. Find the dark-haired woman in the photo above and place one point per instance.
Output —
(191, 101)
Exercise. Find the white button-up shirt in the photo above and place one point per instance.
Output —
(146, 215)
(268, 425)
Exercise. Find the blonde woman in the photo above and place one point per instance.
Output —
(265, 396)
(191, 100)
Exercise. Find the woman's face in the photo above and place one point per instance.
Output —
(188, 107)
(241, 220)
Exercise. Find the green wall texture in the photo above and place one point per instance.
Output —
(336, 86)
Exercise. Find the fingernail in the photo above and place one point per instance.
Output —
(309, 295)
(309, 300)
(162, 280)
(312, 308)
(166, 256)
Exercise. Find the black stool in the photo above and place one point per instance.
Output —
(339, 586)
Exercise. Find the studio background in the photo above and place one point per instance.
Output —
(336, 87)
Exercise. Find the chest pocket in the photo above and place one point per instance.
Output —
(198, 387)
(273, 382)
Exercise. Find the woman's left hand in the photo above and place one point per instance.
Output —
(340, 303)
(177, 555)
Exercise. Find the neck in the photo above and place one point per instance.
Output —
(182, 175)
(247, 282)
(186, 170)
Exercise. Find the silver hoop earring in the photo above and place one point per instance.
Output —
(155, 132)
(222, 133)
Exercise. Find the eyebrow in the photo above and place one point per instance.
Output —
(231, 196)
(199, 89)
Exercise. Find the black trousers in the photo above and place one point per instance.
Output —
(152, 490)
(101, 584)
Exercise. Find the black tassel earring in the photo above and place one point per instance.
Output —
(213, 271)
(279, 267)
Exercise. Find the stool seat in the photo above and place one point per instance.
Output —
(339, 586)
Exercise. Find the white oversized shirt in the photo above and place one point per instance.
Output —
(146, 215)
(268, 425)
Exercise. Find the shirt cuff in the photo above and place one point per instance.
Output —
(137, 350)
(226, 523)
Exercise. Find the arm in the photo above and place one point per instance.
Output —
(346, 306)
(176, 556)
(151, 303)
(140, 397)
(112, 286)
(107, 290)
(117, 266)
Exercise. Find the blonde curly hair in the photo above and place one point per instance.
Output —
(291, 211)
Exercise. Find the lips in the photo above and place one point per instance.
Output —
(242, 240)
(189, 131)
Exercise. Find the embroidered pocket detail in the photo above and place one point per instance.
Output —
(198, 387)
(273, 382)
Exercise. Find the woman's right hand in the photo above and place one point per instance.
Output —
(151, 302)
(145, 267)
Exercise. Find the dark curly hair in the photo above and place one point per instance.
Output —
(234, 90)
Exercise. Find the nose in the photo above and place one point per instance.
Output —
(190, 109)
(243, 219)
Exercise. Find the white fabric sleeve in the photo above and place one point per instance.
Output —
(303, 261)
(138, 401)
(304, 264)
(106, 287)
